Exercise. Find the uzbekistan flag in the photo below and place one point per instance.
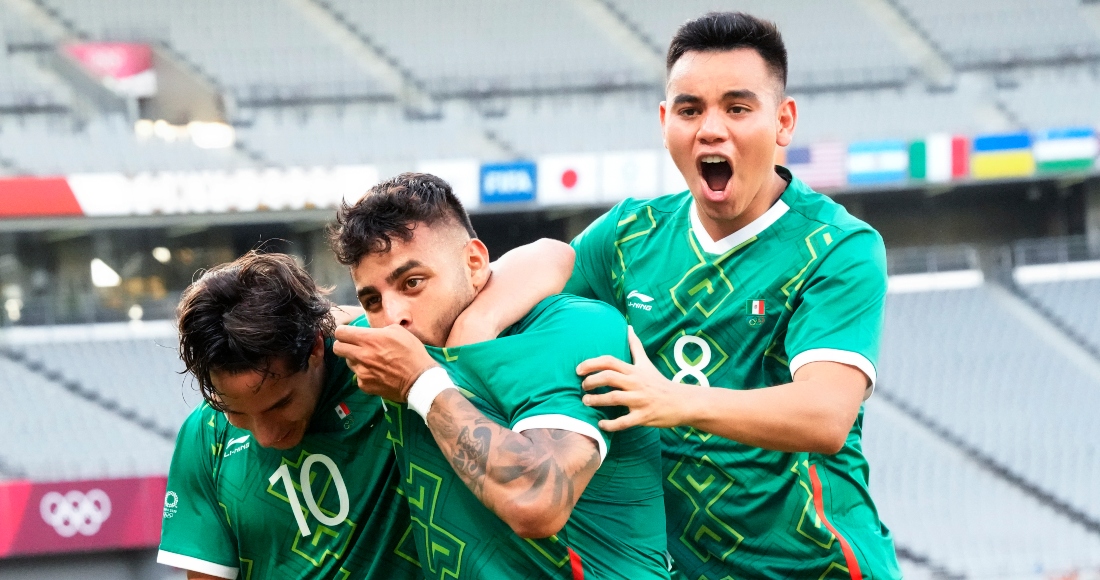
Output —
(878, 162)
(820, 165)
(939, 158)
(1060, 150)
(1005, 155)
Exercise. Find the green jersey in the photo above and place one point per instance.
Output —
(805, 282)
(526, 379)
(328, 508)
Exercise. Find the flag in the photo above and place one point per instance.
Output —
(630, 174)
(877, 162)
(756, 307)
(1060, 150)
(568, 179)
(820, 165)
(1005, 155)
(342, 410)
(939, 158)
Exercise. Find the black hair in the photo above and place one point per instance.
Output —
(720, 31)
(246, 314)
(392, 210)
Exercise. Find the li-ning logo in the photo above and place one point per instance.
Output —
(233, 442)
(643, 301)
(75, 512)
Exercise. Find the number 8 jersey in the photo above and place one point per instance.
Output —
(804, 282)
(328, 508)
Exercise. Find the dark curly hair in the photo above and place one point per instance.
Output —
(392, 210)
(248, 313)
(728, 31)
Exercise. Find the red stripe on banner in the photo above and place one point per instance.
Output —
(576, 565)
(13, 503)
(34, 196)
(849, 555)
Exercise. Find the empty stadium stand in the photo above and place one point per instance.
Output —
(51, 433)
(1075, 303)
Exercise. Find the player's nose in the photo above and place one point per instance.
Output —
(398, 312)
(267, 434)
(713, 128)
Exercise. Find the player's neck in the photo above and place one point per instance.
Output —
(764, 199)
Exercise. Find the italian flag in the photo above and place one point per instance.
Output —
(342, 410)
(939, 158)
(756, 307)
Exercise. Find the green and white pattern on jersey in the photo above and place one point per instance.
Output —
(328, 508)
(805, 282)
(527, 377)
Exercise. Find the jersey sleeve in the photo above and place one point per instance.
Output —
(547, 392)
(595, 249)
(195, 534)
(839, 316)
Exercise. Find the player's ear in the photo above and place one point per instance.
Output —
(664, 132)
(317, 353)
(786, 117)
(477, 260)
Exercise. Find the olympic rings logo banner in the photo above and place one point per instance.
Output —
(76, 516)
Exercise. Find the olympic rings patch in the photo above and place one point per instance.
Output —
(75, 512)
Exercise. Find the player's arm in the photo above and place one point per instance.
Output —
(813, 413)
(192, 575)
(530, 479)
(520, 279)
(344, 314)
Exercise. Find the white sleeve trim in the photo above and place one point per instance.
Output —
(846, 357)
(196, 565)
(565, 423)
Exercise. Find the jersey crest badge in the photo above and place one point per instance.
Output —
(342, 410)
(756, 312)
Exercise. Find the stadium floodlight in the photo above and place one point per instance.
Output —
(211, 135)
(135, 313)
(162, 254)
(103, 276)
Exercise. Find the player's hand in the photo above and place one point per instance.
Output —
(653, 400)
(386, 361)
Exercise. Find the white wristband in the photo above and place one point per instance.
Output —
(426, 388)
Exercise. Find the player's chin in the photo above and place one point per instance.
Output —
(290, 440)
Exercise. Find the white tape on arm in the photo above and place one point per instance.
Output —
(426, 388)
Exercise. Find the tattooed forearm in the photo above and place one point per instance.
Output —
(540, 472)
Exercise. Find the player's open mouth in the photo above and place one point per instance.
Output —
(716, 172)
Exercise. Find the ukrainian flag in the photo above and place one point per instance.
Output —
(1005, 155)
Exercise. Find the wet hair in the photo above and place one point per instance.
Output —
(247, 314)
(721, 31)
(392, 210)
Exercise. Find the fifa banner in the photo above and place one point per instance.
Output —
(125, 68)
(80, 516)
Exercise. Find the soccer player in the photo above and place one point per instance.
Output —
(506, 473)
(286, 470)
(760, 303)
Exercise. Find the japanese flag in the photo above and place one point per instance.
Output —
(566, 179)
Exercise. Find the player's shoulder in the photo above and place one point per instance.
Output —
(663, 205)
(204, 423)
(562, 311)
(817, 210)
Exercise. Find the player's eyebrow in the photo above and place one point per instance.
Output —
(686, 100)
(740, 95)
(398, 271)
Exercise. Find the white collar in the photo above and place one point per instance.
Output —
(739, 237)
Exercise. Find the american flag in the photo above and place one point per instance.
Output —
(821, 165)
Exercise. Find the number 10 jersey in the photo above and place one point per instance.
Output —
(328, 508)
